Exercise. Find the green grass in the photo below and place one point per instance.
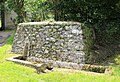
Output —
(11, 72)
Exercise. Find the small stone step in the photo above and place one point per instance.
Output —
(0, 37)
(3, 39)
(1, 44)
(4, 36)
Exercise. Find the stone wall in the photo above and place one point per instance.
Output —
(57, 41)
(9, 18)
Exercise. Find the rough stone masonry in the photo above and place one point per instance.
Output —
(56, 41)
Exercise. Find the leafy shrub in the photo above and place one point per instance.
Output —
(117, 59)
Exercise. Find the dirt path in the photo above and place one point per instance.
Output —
(4, 36)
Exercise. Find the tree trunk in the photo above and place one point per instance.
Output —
(57, 11)
(2, 17)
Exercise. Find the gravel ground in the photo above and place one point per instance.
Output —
(4, 36)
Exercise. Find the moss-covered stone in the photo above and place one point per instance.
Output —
(63, 41)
